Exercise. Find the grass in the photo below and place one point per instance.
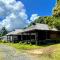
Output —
(50, 52)
(22, 46)
(56, 53)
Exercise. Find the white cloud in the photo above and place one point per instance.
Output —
(33, 17)
(7, 1)
(14, 15)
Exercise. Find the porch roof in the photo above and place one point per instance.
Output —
(33, 27)
(16, 32)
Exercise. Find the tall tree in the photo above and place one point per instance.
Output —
(56, 12)
(40, 20)
(57, 23)
(3, 31)
(50, 20)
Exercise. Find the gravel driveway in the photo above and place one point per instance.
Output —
(9, 53)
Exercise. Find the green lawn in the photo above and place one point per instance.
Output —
(22, 46)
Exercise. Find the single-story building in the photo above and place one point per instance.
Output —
(36, 34)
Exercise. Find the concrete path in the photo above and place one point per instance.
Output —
(9, 53)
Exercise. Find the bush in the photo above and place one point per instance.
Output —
(3, 41)
(0, 41)
(20, 42)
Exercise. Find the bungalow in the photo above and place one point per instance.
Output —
(35, 34)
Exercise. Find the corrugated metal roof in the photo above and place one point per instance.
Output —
(33, 27)
(54, 29)
(15, 32)
(38, 27)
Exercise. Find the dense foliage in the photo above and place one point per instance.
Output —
(56, 12)
(3, 31)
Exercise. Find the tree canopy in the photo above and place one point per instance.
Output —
(56, 12)
(3, 31)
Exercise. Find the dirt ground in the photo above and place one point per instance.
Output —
(10, 53)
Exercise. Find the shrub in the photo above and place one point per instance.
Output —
(4, 41)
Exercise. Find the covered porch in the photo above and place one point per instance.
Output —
(35, 37)
(25, 37)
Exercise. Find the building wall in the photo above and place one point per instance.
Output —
(36, 36)
(52, 36)
(55, 35)
(42, 35)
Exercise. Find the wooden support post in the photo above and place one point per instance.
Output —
(36, 39)
(46, 35)
(30, 38)
(7, 38)
(11, 38)
(25, 39)
(21, 38)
